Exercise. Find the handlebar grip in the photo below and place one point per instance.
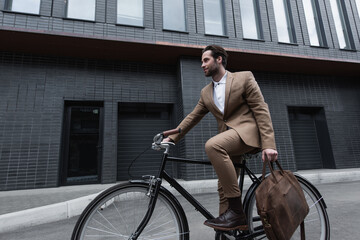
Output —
(171, 132)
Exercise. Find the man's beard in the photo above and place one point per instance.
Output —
(212, 71)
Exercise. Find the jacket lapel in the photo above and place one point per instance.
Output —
(229, 81)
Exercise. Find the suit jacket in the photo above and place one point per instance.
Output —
(245, 111)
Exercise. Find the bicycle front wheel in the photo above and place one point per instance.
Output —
(117, 212)
(317, 226)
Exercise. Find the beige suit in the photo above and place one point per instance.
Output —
(246, 115)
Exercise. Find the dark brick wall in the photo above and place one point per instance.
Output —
(337, 95)
(33, 90)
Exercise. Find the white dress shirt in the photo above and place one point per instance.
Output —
(219, 93)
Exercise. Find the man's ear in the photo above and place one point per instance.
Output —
(219, 59)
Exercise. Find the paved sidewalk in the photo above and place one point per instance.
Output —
(26, 208)
(13, 201)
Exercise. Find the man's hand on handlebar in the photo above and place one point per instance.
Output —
(168, 133)
(167, 140)
(163, 137)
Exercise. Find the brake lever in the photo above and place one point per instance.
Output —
(158, 138)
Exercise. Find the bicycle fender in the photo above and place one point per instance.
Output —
(139, 181)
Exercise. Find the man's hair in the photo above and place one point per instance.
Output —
(217, 51)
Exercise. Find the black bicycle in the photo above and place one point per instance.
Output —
(144, 209)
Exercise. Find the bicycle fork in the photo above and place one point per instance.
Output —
(153, 192)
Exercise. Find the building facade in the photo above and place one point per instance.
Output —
(86, 84)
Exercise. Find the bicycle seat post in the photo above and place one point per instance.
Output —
(242, 176)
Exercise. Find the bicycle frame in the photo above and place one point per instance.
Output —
(155, 183)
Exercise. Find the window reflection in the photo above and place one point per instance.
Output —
(340, 24)
(26, 6)
(282, 20)
(250, 19)
(130, 12)
(81, 9)
(214, 17)
(174, 16)
(311, 22)
(358, 6)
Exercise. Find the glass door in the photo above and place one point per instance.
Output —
(82, 145)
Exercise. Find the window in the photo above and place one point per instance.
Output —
(250, 18)
(25, 6)
(214, 17)
(314, 23)
(284, 23)
(342, 24)
(130, 12)
(81, 9)
(174, 16)
(358, 6)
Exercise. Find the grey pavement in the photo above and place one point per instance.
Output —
(25, 208)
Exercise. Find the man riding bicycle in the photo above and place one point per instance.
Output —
(244, 126)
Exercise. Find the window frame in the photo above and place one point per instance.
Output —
(319, 26)
(75, 18)
(258, 21)
(185, 18)
(223, 20)
(289, 22)
(127, 24)
(8, 7)
(345, 25)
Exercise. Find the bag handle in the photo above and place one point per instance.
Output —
(267, 162)
(302, 230)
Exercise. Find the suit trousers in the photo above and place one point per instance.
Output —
(222, 150)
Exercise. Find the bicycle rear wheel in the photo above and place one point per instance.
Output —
(117, 212)
(317, 226)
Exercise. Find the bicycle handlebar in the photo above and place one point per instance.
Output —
(158, 144)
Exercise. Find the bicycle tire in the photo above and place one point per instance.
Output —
(117, 212)
(317, 225)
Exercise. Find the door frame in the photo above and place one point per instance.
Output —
(66, 135)
(322, 131)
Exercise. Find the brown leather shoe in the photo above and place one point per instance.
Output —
(227, 221)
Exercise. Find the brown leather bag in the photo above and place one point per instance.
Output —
(281, 203)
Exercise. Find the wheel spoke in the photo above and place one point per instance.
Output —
(315, 203)
(121, 217)
(101, 230)
(107, 221)
(99, 223)
(157, 227)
